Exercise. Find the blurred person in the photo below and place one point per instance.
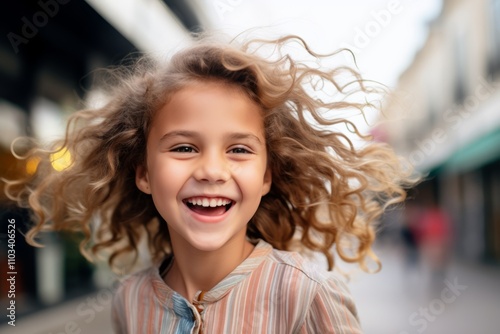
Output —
(209, 157)
(409, 234)
(434, 237)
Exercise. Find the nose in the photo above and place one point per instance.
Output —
(213, 168)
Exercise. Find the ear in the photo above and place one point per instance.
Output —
(268, 180)
(142, 179)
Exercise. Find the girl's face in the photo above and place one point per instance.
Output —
(206, 165)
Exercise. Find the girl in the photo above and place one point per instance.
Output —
(220, 160)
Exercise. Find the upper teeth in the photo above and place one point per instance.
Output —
(208, 202)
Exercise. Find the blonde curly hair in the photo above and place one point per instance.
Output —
(324, 189)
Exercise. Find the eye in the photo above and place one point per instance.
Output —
(239, 150)
(183, 149)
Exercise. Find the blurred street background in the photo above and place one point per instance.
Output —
(440, 253)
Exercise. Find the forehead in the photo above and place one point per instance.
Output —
(210, 107)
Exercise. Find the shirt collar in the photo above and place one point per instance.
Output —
(166, 295)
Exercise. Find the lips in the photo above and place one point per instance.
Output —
(208, 206)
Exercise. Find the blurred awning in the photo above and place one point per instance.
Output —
(478, 153)
(469, 137)
(149, 25)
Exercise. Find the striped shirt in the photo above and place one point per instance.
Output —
(271, 291)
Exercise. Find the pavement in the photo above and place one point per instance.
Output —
(86, 315)
(404, 300)
(397, 300)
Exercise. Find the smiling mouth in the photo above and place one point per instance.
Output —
(208, 206)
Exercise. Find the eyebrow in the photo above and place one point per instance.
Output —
(193, 134)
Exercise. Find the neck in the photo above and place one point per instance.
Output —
(194, 270)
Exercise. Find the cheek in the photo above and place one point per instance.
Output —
(235, 168)
(250, 177)
(244, 170)
(167, 177)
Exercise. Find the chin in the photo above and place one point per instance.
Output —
(209, 244)
(208, 247)
(206, 243)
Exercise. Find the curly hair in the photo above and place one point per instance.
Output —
(326, 194)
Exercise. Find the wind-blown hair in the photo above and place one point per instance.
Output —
(326, 194)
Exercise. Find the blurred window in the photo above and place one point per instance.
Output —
(432, 109)
(13, 123)
(47, 120)
(460, 49)
(494, 57)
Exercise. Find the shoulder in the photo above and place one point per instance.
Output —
(326, 303)
(126, 292)
(300, 267)
(131, 290)
(128, 289)
(332, 310)
(136, 297)
(131, 283)
(309, 272)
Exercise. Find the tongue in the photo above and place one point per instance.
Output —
(209, 211)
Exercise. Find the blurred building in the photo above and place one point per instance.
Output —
(445, 118)
(49, 53)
